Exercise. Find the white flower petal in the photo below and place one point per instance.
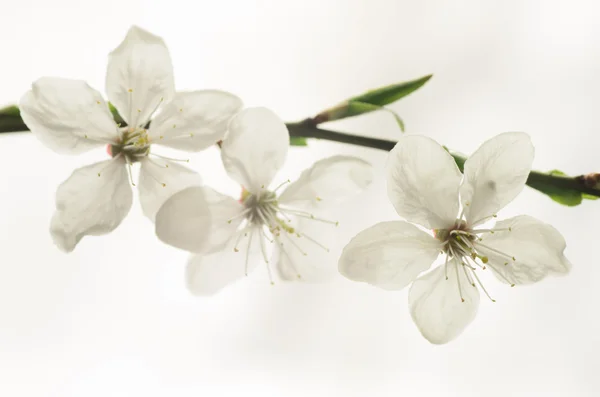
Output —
(537, 248)
(436, 305)
(139, 77)
(495, 174)
(208, 274)
(196, 219)
(389, 255)
(92, 202)
(159, 180)
(68, 116)
(255, 147)
(423, 182)
(193, 121)
(328, 180)
(304, 255)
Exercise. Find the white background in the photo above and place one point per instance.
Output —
(114, 317)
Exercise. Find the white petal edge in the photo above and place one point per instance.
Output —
(196, 219)
(328, 181)
(92, 201)
(436, 305)
(538, 249)
(139, 77)
(208, 274)
(495, 174)
(68, 116)
(389, 255)
(255, 148)
(160, 179)
(195, 120)
(423, 181)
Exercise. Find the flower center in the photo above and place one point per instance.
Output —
(134, 144)
(265, 217)
(458, 240)
(261, 208)
(463, 246)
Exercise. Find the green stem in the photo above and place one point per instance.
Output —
(536, 180)
(10, 121)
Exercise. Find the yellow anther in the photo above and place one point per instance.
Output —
(236, 250)
(164, 185)
(174, 125)
(98, 102)
(484, 259)
(319, 198)
(130, 90)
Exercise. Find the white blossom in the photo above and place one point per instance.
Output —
(427, 188)
(229, 236)
(71, 117)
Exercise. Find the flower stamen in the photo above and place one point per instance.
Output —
(312, 240)
(295, 244)
(307, 215)
(482, 287)
(283, 250)
(130, 172)
(462, 299)
(248, 251)
(170, 158)
(281, 185)
(241, 214)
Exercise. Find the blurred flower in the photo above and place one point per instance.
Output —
(224, 232)
(424, 185)
(70, 117)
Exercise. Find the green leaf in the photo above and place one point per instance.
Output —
(118, 119)
(11, 121)
(391, 93)
(371, 101)
(569, 198)
(10, 111)
(355, 108)
(298, 141)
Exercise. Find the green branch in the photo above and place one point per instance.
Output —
(559, 187)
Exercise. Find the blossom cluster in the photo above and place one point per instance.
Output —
(447, 213)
